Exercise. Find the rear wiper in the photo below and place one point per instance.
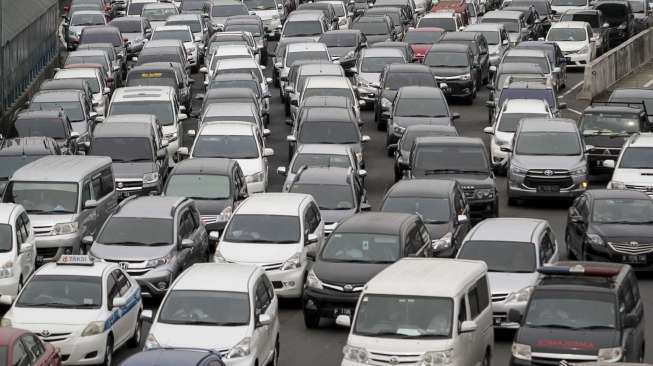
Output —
(596, 327)
(125, 243)
(559, 326)
(137, 160)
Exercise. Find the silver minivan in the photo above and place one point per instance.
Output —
(66, 197)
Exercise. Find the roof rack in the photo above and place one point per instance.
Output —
(540, 78)
(638, 105)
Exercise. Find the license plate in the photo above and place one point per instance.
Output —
(634, 259)
(548, 189)
(342, 311)
(125, 194)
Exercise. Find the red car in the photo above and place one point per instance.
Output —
(421, 39)
(20, 347)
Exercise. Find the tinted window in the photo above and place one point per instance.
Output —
(406, 107)
(135, 8)
(511, 25)
(501, 256)
(56, 291)
(226, 146)
(123, 149)
(263, 229)
(72, 59)
(567, 35)
(548, 143)
(542, 62)
(19, 355)
(609, 123)
(254, 29)
(73, 110)
(158, 14)
(447, 24)
(571, 309)
(208, 308)
(510, 93)
(34, 345)
(152, 79)
(447, 59)
(492, 37)
(260, 4)
(376, 64)
(128, 26)
(328, 196)
(372, 28)
(182, 35)
(637, 158)
(41, 127)
(359, 247)
(320, 160)
(306, 55)
(194, 25)
(302, 29)
(199, 186)
(136, 231)
(6, 238)
(162, 110)
(422, 37)
(228, 10)
(338, 39)
(84, 19)
(329, 133)
(509, 122)
(395, 80)
(101, 37)
(623, 211)
(43, 197)
(450, 157)
(432, 210)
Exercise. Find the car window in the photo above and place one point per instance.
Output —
(34, 345)
(112, 290)
(20, 356)
(268, 287)
(459, 202)
(86, 192)
(632, 280)
(413, 241)
(478, 297)
(462, 310)
(185, 225)
(122, 283)
(262, 298)
(20, 238)
(27, 226)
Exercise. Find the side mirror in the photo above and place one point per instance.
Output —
(353, 70)
(106, 90)
(605, 25)
(362, 103)
(505, 43)
(289, 89)
(365, 139)
(118, 302)
(87, 240)
(514, 316)
(278, 65)
(362, 172)
(74, 135)
(556, 70)
(366, 206)
(610, 164)
(505, 148)
(214, 235)
(161, 154)
(6, 300)
(266, 132)
(291, 138)
(455, 116)
(99, 119)
(267, 152)
(147, 315)
(191, 133)
(204, 70)
(490, 104)
(26, 247)
(344, 321)
(311, 239)
(263, 319)
(90, 204)
(589, 148)
(462, 219)
(386, 114)
(182, 116)
(468, 326)
(282, 170)
(183, 151)
(489, 130)
(493, 68)
(187, 244)
(392, 147)
(267, 80)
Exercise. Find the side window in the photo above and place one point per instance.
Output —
(483, 294)
(268, 287)
(19, 355)
(413, 241)
(634, 287)
(472, 298)
(122, 283)
(96, 183)
(112, 290)
(315, 216)
(107, 181)
(27, 225)
(20, 236)
(459, 202)
(462, 310)
(185, 225)
(626, 295)
(262, 298)
(195, 217)
(308, 221)
(86, 192)
(546, 247)
(34, 345)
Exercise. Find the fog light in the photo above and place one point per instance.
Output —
(583, 184)
(162, 285)
(288, 283)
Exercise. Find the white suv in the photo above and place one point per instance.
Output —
(229, 308)
(634, 168)
(274, 231)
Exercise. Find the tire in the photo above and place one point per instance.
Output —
(108, 352)
(311, 319)
(135, 340)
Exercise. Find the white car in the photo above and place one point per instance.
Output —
(634, 168)
(242, 141)
(96, 82)
(561, 6)
(229, 308)
(17, 248)
(274, 231)
(507, 121)
(183, 34)
(576, 41)
(224, 52)
(86, 309)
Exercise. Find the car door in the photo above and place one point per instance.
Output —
(184, 231)
(273, 312)
(112, 292)
(577, 215)
(128, 313)
(481, 313)
(26, 248)
(262, 335)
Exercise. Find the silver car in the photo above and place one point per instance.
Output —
(512, 260)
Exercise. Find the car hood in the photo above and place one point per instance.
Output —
(49, 220)
(449, 71)
(613, 141)
(347, 273)
(376, 38)
(255, 253)
(514, 37)
(193, 336)
(389, 345)
(548, 161)
(331, 216)
(571, 46)
(133, 170)
(51, 319)
(624, 233)
(339, 51)
(584, 342)
(212, 207)
(439, 230)
(266, 14)
(420, 49)
(370, 77)
(250, 166)
(410, 121)
(129, 253)
(505, 283)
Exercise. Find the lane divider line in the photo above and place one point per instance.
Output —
(648, 83)
(572, 88)
(574, 111)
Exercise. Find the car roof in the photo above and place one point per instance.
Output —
(461, 36)
(49, 113)
(324, 175)
(168, 356)
(327, 101)
(331, 149)
(171, 27)
(218, 166)
(370, 19)
(494, 229)
(450, 47)
(615, 108)
(483, 27)
(83, 12)
(237, 63)
(382, 52)
(582, 11)
(632, 93)
(286, 204)
(223, 277)
(183, 16)
(406, 68)
(448, 140)
(641, 139)
(420, 92)
(306, 47)
(91, 52)
(525, 52)
(143, 93)
(131, 118)
(426, 188)
(101, 29)
(569, 24)
(616, 194)
(57, 95)
(230, 109)
(374, 222)
(328, 82)
(60, 168)
(305, 16)
(159, 6)
(551, 125)
(217, 93)
(26, 146)
(502, 14)
(235, 76)
(228, 128)
(406, 277)
(430, 128)
(320, 68)
(96, 270)
(149, 206)
(122, 129)
(525, 106)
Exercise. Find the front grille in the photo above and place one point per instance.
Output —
(499, 296)
(209, 219)
(378, 358)
(469, 191)
(548, 177)
(122, 260)
(42, 230)
(354, 287)
(54, 337)
(129, 185)
(605, 151)
(137, 272)
(554, 361)
(645, 189)
(500, 317)
(272, 266)
(47, 252)
(277, 285)
(630, 248)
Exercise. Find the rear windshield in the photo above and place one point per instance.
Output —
(151, 78)
(372, 28)
(302, 29)
(194, 25)
(447, 24)
(395, 80)
(38, 127)
(543, 94)
(422, 37)
(85, 19)
(228, 10)
(101, 37)
(593, 20)
(376, 64)
(182, 35)
(128, 26)
(337, 39)
(511, 25)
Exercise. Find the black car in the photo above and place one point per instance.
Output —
(523, 88)
(578, 312)
(217, 186)
(620, 18)
(70, 84)
(555, 54)
(531, 19)
(464, 159)
(478, 44)
(174, 356)
(18, 152)
(402, 148)
(375, 28)
(46, 123)
(442, 206)
(416, 105)
(635, 95)
(400, 18)
(169, 74)
(361, 246)
(393, 77)
(344, 45)
(611, 226)
(607, 126)
(542, 8)
(455, 70)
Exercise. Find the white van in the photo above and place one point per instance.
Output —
(426, 311)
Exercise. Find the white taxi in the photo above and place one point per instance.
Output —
(84, 308)
(17, 248)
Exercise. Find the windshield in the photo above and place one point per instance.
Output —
(102, 37)
(40, 127)
(406, 107)
(320, 160)
(623, 211)
(548, 143)
(73, 110)
(410, 135)
(162, 110)
(151, 79)
(372, 28)
(135, 8)
(501, 256)
(329, 133)
(226, 146)
(446, 59)
(448, 158)
(432, 210)
(73, 59)
(194, 25)
(158, 14)
(158, 56)
(250, 84)
(571, 310)
(637, 158)
(637, 6)
(376, 64)
(199, 186)
(182, 35)
(306, 55)
(6, 238)
(252, 28)
(263, 229)
(188, 6)
(510, 121)
(137, 231)
(542, 62)
(9, 164)
(592, 19)
(422, 37)
(404, 316)
(224, 11)
(361, 247)
(326, 92)
(492, 37)
(609, 123)
(447, 24)
(260, 4)
(302, 29)
(123, 149)
(395, 80)
(43, 197)
(84, 19)
(328, 196)
(518, 93)
(511, 25)
(57, 291)
(212, 308)
(249, 70)
(568, 2)
(566, 35)
(338, 39)
(128, 26)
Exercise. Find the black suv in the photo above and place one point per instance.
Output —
(607, 126)
(464, 159)
(620, 18)
(18, 152)
(361, 246)
(48, 123)
(578, 312)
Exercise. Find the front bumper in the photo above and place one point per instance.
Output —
(640, 259)
(517, 188)
(240, 361)
(77, 350)
(50, 248)
(578, 59)
(9, 286)
(152, 282)
(288, 284)
(367, 93)
(329, 303)
(456, 87)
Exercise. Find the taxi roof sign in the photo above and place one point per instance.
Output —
(75, 260)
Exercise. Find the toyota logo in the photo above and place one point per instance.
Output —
(393, 361)
(120, 184)
(548, 172)
(45, 333)
(348, 288)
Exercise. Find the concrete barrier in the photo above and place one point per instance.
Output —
(617, 63)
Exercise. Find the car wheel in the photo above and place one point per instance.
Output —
(135, 340)
(108, 353)
(311, 319)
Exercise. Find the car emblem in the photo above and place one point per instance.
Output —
(393, 361)
(124, 265)
(45, 333)
(548, 172)
(633, 243)
(563, 363)
(606, 152)
(120, 184)
(348, 288)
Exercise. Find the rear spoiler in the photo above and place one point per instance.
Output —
(638, 105)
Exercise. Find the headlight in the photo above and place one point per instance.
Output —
(151, 342)
(579, 171)
(466, 77)
(484, 193)
(256, 177)
(65, 228)
(520, 296)
(349, 54)
(293, 262)
(356, 354)
(386, 103)
(398, 129)
(521, 351)
(241, 349)
(595, 239)
(616, 185)
(158, 262)
(93, 328)
(171, 136)
(5, 322)
(514, 169)
(442, 243)
(312, 280)
(225, 214)
(149, 178)
(437, 358)
(610, 354)
(7, 270)
(622, 26)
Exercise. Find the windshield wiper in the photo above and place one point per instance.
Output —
(449, 171)
(157, 244)
(50, 211)
(596, 327)
(559, 326)
(53, 304)
(125, 243)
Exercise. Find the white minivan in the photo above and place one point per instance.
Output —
(404, 316)
(17, 248)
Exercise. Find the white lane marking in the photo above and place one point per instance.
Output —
(574, 111)
(648, 83)
(572, 88)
